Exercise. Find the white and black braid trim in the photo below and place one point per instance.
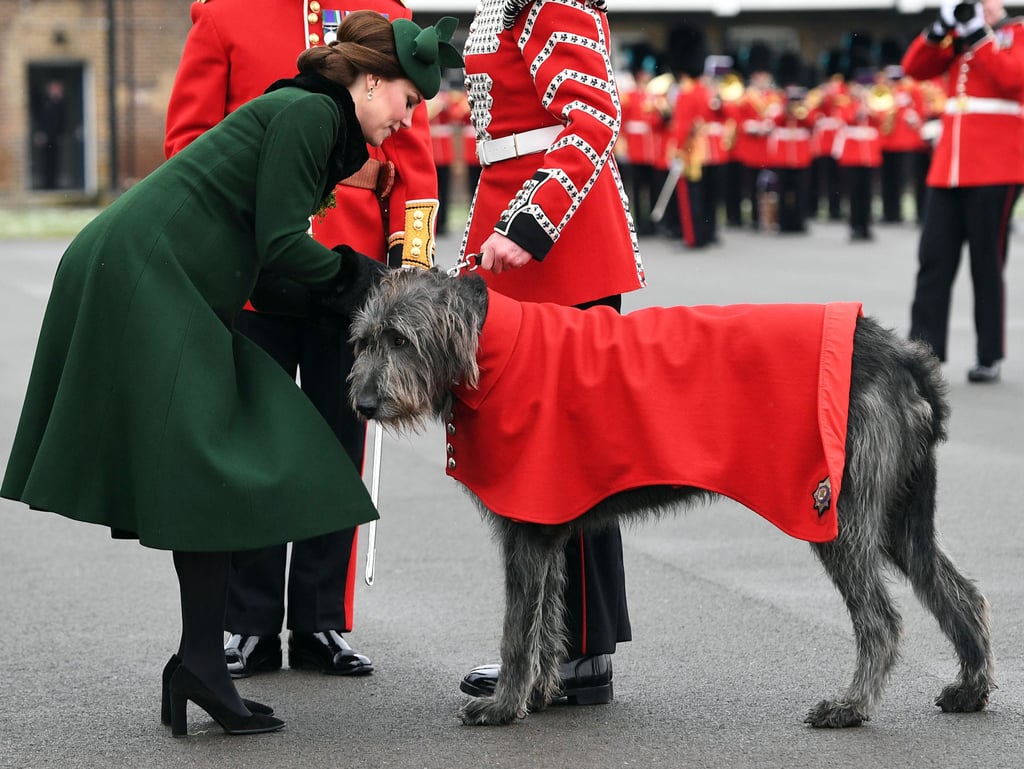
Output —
(514, 7)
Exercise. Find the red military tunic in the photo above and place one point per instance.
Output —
(982, 140)
(828, 116)
(903, 132)
(222, 73)
(642, 123)
(573, 406)
(755, 120)
(687, 139)
(858, 142)
(789, 143)
(566, 205)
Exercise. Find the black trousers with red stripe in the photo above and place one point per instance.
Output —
(321, 576)
(981, 217)
(597, 616)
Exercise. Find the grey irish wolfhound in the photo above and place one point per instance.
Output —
(417, 334)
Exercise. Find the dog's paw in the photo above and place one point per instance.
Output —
(958, 698)
(539, 700)
(829, 714)
(484, 711)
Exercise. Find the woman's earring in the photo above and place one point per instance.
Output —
(369, 94)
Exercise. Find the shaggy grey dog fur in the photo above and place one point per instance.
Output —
(417, 334)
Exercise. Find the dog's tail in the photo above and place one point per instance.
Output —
(925, 370)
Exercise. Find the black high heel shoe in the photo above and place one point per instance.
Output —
(185, 686)
(165, 694)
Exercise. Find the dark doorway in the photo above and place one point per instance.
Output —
(56, 126)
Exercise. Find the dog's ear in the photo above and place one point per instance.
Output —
(357, 274)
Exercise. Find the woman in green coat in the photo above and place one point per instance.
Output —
(146, 411)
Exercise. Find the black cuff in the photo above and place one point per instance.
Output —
(395, 255)
(523, 230)
(972, 39)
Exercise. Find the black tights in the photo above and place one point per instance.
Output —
(203, 582)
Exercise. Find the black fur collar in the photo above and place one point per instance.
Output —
(349, 153)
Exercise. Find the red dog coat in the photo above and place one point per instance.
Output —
(572, 406)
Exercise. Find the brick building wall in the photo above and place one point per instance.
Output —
(45, 39)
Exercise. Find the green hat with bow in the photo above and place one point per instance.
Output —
(423, 52)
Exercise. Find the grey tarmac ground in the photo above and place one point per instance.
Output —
(736, 632)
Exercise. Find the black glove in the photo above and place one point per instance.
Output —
(357, 274)
(279, 295)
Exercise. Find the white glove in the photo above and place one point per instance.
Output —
(946, 17)
(973, 24)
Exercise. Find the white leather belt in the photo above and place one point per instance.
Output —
(860, 132)
(787, 134)
(979, 105)
(517, 145)
(636, 127)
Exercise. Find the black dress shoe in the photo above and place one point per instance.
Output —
(327, 652)
(585, 681)
(248, 654)
(984, 374)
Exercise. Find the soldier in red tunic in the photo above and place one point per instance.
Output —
(551, 220)
(234, 50)
(976, 172)
(688, 144)
(829, 100)
(858, 151)
(643, 121)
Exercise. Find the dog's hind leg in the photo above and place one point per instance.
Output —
(854, 567)
(958, 605)
(530, 552)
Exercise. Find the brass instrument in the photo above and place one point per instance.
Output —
(799, 103)
(814, 98)
(730, 90)
(657, 88)
(882, 101)
(660, 85)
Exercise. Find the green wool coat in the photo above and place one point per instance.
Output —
(146, 411)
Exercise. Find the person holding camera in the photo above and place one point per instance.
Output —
(976, 171)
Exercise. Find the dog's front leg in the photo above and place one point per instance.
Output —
(528, 554)
(547, 685)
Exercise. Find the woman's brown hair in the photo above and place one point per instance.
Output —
(365, 44)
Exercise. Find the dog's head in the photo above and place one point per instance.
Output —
(415, 336)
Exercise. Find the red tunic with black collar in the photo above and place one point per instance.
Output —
(573, 406)
(539, 64)
(982, 140)
(236, 48)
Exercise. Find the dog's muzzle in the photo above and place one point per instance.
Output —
(367, 406)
